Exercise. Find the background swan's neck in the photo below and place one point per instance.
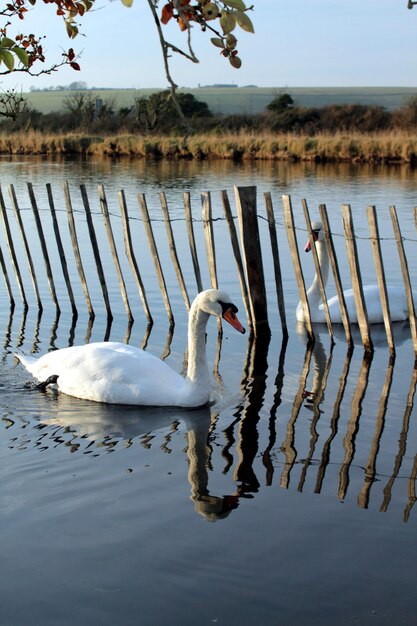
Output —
(313, 294)
(197, 371)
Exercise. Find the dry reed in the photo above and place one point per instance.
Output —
(389, 146)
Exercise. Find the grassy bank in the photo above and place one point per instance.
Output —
(385, 147)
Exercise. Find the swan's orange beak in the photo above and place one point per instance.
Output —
(230, 316)
(308, 244)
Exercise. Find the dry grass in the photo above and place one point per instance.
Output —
(375, 147)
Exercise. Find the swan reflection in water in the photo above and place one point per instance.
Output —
(91, 425)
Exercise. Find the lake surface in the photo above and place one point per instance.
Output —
(290, 500)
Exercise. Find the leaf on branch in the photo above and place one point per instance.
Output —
(72, 30)
(216, 41)
(127, 3)
(6, 42)
(167, 13)
(235, 62)
(235, 4)
(22, 55)
(244, 22)
(231, 42)
(227, 22)
(7, 58)
(75, 66)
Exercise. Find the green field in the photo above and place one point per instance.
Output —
(229, 100)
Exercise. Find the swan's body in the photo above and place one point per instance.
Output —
(120, 374)
(396, 295)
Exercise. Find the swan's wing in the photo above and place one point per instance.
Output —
(109, 372)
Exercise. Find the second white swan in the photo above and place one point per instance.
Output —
(396, 295)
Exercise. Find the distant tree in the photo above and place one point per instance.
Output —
(281, 103)
(157, 112)
(77, 85)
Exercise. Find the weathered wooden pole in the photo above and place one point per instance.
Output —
(252, 257)
(355, 272)
(380, 274)
(276, 260)
(131, 255)
(173, 250)
(336, 273)
(26, 246)
(318, 270)
(238, 257)
(44, 248)
(299, 276)
(113, 250)
(154, 251)
(209, 237)
(61, 250)
(406, 276)
(76, 249)
(191, 240)
(96, 252)
(10, 245)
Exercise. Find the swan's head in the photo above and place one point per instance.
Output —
(318, 235)
(218, 303)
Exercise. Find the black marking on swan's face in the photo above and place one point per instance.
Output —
(318, 235)
(228, 305)
(229, 311)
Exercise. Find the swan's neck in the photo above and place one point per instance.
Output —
(197, 371)
(313, 294)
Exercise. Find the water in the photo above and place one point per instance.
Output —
(290, 500)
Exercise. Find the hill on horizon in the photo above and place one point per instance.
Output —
(242, 100)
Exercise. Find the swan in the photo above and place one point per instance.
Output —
(396, 295)
(117, 373)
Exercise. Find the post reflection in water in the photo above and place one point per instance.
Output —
(251, 446)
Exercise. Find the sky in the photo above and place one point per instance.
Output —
(297, 43)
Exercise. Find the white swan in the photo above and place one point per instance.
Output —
(396, 295)
(117, 373)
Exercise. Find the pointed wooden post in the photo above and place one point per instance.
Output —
(252, 257)
(355, 272)
(318, 270)
(76, 249)
(336, 274)
(277, 264)
(299, 276)
(380, 274)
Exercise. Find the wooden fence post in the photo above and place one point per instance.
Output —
(76, 249)
(9, 243)
(113, 249)
(131, 255)
(277, 264)
(252, 256)
(355, 272)
(406, 276)
(173, 250)
(154, 251)
(191, 240)
(336, 274)
(61, 250)
(26, 246)
(209, 238)
(380, 274)
(318, 270)
(43, 247)
(238, 257)
(96, 252)
(292, 242)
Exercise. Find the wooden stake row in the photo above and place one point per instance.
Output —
(247, 252)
